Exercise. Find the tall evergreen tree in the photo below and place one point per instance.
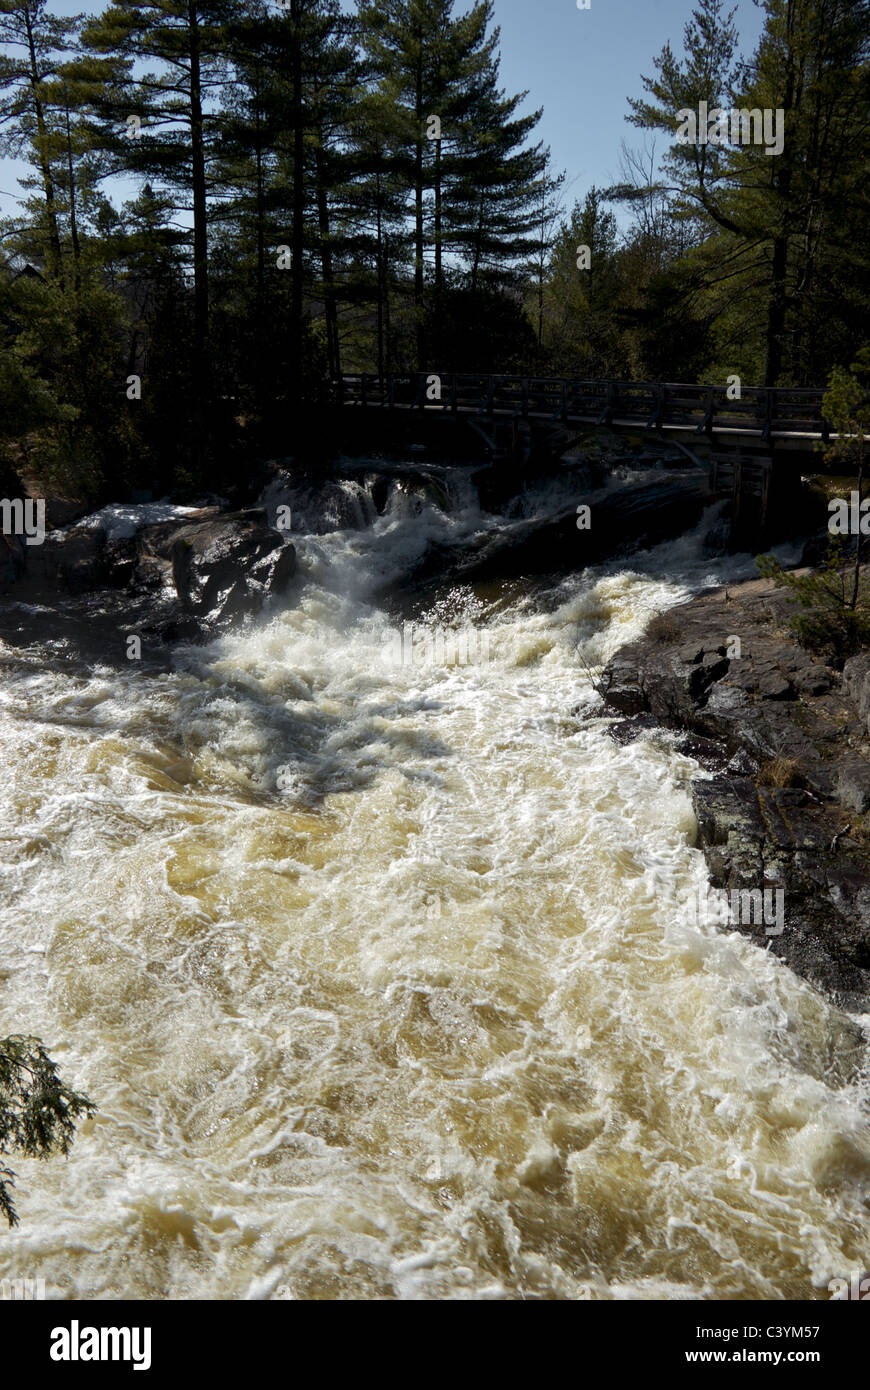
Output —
(37, 43)
(457, 137)
(180, 128)
(766, 218)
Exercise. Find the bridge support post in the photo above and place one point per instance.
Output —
(765, 491)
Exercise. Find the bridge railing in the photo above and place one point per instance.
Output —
(707, 408)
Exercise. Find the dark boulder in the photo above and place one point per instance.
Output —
(768, 697)
(621, 520)
(766, 835)
(226, 569)
(75, 559)
(184, 579)
(792, 782)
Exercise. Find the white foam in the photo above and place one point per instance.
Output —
(429, 1018)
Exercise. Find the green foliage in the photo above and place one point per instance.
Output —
(480, 325)
(62, 372)
(846, 407)
(307, 128)
(38, 1111)
(829, 623)
(581, 332)
(783, 267)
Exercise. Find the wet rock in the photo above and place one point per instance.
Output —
(856, 679)
(121, 558)
(183, 579)
(764, 836)
(225, 569)
(792, 776)
(621, 520)
(773, 700)
(626, 731)
(741, 764)
(329, 505)
(705, 751)
(623, 688)
(75, 559)
(853, 787)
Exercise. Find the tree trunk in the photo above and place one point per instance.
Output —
(380, 289)
(298, 235)
(475, 265)
(200, 238)
(386, 302)
(541, 264)
(329, 308)
(781, 176)
(439, 280)
(54, 258)
(776, 310)
(418, 222)
(261, 213)
(73, 216)
(260, 387)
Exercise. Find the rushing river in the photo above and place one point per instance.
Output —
(381, 974)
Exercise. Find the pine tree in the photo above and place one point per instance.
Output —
(582, 292)
(764, 224)
(176, 142)
(36, 43)
(456, 139)
(378, 244)
(38, 1111)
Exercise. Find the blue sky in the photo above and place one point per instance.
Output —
(580, 65)
(583, 65)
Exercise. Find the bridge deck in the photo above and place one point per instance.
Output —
(763, 414)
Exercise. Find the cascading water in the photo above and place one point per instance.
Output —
(381, 974)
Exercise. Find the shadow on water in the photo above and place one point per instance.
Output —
(313, 750)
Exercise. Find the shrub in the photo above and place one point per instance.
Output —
(780, 772)
(664, 628)
(834, 620)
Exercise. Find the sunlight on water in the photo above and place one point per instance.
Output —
(382, 976)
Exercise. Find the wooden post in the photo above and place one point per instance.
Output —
(736, 503)
(766, 470)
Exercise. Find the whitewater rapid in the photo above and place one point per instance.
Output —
(381, 975)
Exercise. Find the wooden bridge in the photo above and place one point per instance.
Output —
(791, 416)
(755, 446)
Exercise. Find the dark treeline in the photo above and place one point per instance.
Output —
(319, 191)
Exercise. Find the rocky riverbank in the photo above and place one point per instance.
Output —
(187, 575)
(784, 738)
